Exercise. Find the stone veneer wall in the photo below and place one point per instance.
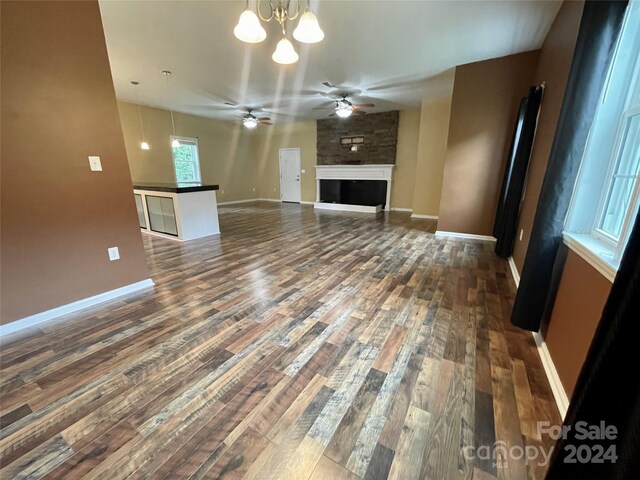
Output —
(380, 132)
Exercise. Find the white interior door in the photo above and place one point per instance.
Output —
(290, 175)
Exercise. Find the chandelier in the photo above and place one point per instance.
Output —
(250, 30)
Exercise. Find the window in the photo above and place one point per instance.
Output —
(185, 160)
(607, 192)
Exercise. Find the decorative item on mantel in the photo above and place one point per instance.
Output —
(250, 30)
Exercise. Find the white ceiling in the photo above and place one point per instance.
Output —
(392, 51)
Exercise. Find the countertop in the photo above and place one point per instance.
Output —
(175, 187)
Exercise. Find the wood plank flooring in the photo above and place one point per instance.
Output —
(296, 345)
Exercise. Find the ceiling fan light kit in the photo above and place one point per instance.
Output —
(250, 30)
(344, 110)
(250, 121)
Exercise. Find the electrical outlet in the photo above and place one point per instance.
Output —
(222, 192)
(303, 171)
(94, 163)
(114, 253)
(254, 189)
(274, 189)
(521, 233)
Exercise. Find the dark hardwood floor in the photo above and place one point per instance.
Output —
(296, 345)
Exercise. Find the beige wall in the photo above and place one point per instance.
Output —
(58, 107)
(240, 160)
(553, 69)
(270, 140)
(431, 155)
(486, 97)
(406, 155)
(227, 150)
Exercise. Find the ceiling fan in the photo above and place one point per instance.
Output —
(249, 120)
(344, 108)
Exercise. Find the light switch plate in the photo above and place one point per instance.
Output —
(94, 163)
(114, 253)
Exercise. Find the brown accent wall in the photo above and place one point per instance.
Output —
(380, 132)
(486, 97)
(58, 107)
(553, 69)
(581, 296)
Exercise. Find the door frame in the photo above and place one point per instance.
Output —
(299, 182)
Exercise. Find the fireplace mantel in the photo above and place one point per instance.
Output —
(353, 172)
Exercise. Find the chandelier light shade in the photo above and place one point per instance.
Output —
(308, 29)
(249, 29)
(285, 54)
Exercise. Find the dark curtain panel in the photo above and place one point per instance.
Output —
(508, 169)
(608, 388)
(515, 174)
(599, 29)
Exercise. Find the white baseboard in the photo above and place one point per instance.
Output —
(277, 200)
(305, 202)
(562, 400)
(470, 236)
(343, 207)
(42, 317)
(426, 217)
(514, 271)
(234, 202)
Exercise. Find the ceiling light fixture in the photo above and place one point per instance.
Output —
(143, 145)
(344, 109)
(175, 143)
(250, 121)
(250, 30)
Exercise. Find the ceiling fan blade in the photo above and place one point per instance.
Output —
(264, 119)
(333, 114)
(363, 105)
(266, 123)
(328, 84)
(359, 112)
(231, 104)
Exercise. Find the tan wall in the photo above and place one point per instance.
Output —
(406, 156)
(303, 135)
(270, 140)
(486, 97)
(58, 107)
(431, 155)
(227, 152)
(553, 69)
(576, 313)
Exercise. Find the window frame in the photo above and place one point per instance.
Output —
(583, 226)
(192, 141)
(618, 146)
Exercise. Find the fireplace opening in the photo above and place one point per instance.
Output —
(354, 192)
